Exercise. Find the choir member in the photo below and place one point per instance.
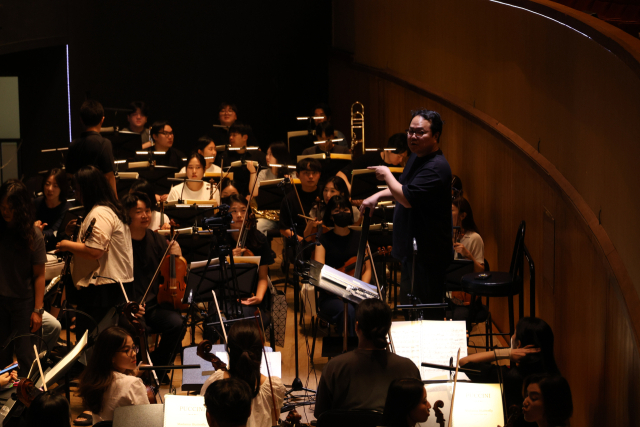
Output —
(51, 207)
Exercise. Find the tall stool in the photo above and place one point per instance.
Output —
(499, 284)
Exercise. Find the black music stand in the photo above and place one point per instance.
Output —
(364, 185)
(269, 198)
(125, 144)
(297, 144)
(188, 215)
(195, 247)
(157, 175)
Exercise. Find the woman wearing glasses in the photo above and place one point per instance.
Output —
(194, 190)
(162, 137)
(109, 380)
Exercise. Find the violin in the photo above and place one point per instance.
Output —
(350, 265)
(204, 351)
(174, 285)
(26, 392)
(130, 310)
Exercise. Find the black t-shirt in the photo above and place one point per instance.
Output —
(173, 157)
(339, 249)
(257, 244)
(241, 174)
(360, 379)
(426, 183)
(16, 267)
(147, 255)
(52, 217)
(90, 149)
(369, 158)
(307, 200)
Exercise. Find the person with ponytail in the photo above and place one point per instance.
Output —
(110, 378)
(244, 348)
(361, 378)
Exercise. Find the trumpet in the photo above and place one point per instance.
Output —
(357, 126)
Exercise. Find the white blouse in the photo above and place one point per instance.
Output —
(473, 242)
(125, 390)
(182, 191)
(261, 414)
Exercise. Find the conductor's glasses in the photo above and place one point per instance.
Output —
(417, 132)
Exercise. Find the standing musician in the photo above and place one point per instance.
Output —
(207, 148)
(360, 378)
(106, 252)
(423, 209)
(301, 202)
(245, 348)
(110, 378)
(337, 247)
(194, 190)
(162, 137)
(91, 148)
(21, 273)
(238, 137)
(148, 250)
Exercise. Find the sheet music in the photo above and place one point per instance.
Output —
(184, 411)
(273, 358)
(430, 341)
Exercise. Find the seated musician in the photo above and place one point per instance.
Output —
(277, 154)
(8, 377)
(138, 122)
(531, 352)
(228, 188)
(469, 244)
(110, 379)
(49, 409)
(52, 206)
(406, 403)
(323, 110)
(207, 148)
(547, 400)
(148, 250)
(390, 159)
(227, 116)
(360, 378)
(228, 403)
(245, 349)
(238, 136)
(325, 132)
(21, 274)
(194, 190)
(333, 187)
(162, 137)
(159, 221)
(301, 202)
(338, 247)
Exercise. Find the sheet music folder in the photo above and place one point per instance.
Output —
(364, 182)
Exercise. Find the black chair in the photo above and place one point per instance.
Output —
(315, 325)
(499, 284)
(360, 418)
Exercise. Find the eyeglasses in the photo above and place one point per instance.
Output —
(133, 350)
(417, 132)
(165, 133)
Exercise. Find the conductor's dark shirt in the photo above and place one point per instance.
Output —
(90, 149)
(426, 183)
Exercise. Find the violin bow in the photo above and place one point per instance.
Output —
(375, 275)
(266, 362)
(173, 239)
(299, 201)
(455, 382)
(224, 331)
(44, 383)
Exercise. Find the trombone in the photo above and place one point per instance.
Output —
(357, 126)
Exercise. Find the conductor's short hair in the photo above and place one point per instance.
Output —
(91, 113)
(432, 117)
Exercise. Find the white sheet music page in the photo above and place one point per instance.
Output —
(182, 411)
(274, 359)
(430, 341)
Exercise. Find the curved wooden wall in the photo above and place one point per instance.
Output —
(504, 79)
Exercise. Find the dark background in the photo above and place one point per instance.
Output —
(181, 57)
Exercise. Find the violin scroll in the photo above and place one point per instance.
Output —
(204, 351)
(293, 419)
(437, 408)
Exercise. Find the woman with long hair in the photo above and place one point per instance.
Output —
(109, 380)
(245, 348)
(207, 147)
(468, 243)
(23, 256)
(51, 207)
(335, 186)
(531, 352)
(547, 400)
(406, 403)
(49, 409)
(194, 190)
(106, 254)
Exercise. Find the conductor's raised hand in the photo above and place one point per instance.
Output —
(382, 172)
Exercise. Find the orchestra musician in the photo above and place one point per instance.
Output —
(238, 137)
(138, 122)
(469, 244)
(325, 132)
(245, 349)
(51, 207)
(336, 248)
(49, 409)
(228, 403)
(360, 379)
(110, 379)
(207, 147)
(333, 187)
(163, 137)
(148, 251)
(106, 252)
(422, 212)
(8, 377)
(323, 110)
(406, 403)
(547, 400)
(227, 116)
(91, 148)
(194, 190)
(159, 220)
(228, 188)
(256, 244)
(22, 276)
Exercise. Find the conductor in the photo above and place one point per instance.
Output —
(423, 210)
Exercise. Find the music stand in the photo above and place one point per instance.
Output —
(364, 182)
(125, 143)
(195, 246)
(270, 196)
(185, 214)
(299, 141)
(156, 175)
